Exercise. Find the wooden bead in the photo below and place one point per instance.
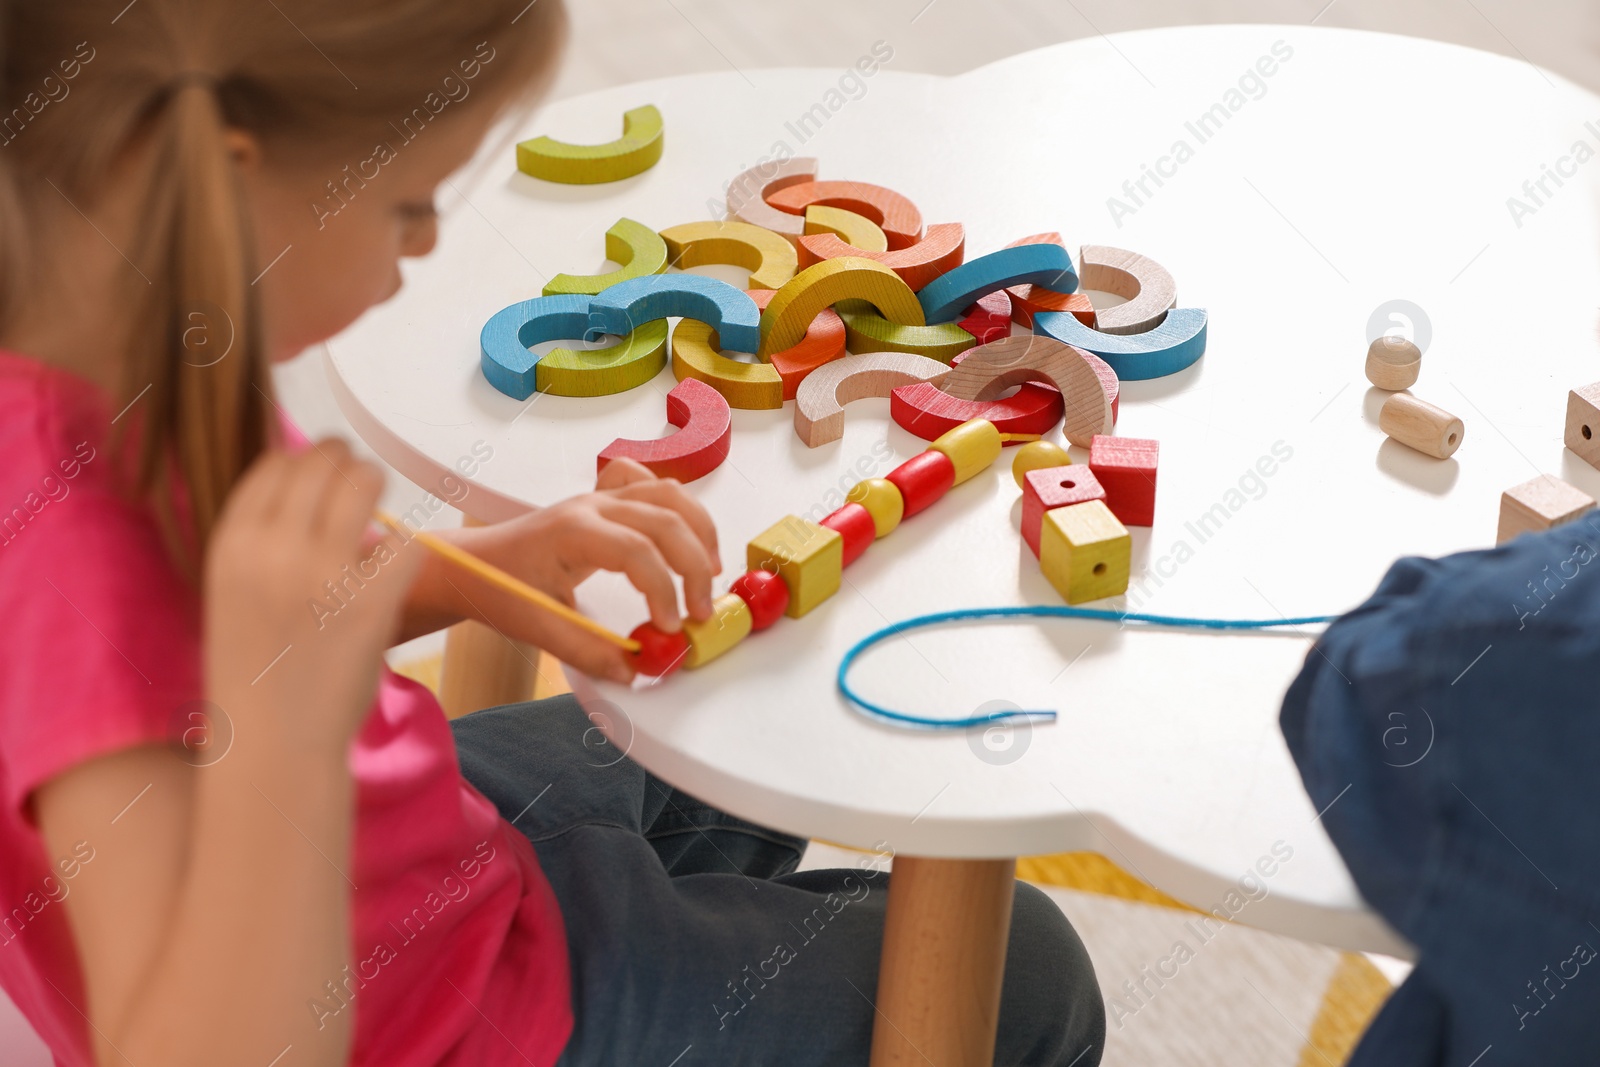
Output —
(747, 194)
(820, 400)
(636, 151)
(748, 386)
(1145, 285)
(808, 557)
(987, 371)
(883, 502)
(928, 411)
(972, 447)
(730, 623)
(1085, 552)
(765, 593)
(705, 428)
(898, 217)
(824, 342)
(856, 525)
(922, 480)
(660, 653)
(790, 312)
(768, 256)
(1393, 363)
(1540, 504)
(630, 304)
(1055, 487)
(639, 250)
(1583, 423)
(1037, 455)
(1417, 423)
(944, 297)
(942, 248)
(857, 231)
(1173, 346)
(1126, 468)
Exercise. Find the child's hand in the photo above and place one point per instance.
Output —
(285, 651)
(646, 527)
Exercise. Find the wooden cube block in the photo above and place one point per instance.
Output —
(1126, 467)
(1051, 488)
(1583, 423)
(1085, 552)
(1540, 504)
(809, 558)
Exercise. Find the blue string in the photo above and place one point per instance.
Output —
(1029, 610)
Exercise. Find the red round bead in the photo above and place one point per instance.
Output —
(660, 653)
(766, 594)
(854, 523)
(923, 479)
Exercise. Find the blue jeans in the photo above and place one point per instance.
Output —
(694, 941)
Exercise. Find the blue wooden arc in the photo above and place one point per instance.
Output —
(952, 292)
(628, 305)
(1177, 343)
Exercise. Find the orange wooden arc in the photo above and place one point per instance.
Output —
(823, 343)
(1027, 300)
(897, 216)
(942, 248)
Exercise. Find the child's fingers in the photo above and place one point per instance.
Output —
(352, 497)
(678, 543)
(670, 493)
(313, 475)
(621, 472)
(254, 500)
(614, 546)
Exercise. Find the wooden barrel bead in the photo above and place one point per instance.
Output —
(1037, 456)
(730, 623)
(855, 524)
(1419, 424)
(923, 479)
(972, 447)
(766, 595)
(660, 653)
(1393, 363)
(882, 500)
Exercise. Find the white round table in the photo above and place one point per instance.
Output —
(1363, 169)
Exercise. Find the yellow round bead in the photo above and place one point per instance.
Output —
(1037, 455)
(883, 502)
(972, 446)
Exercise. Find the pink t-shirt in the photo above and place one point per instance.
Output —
(459, 954)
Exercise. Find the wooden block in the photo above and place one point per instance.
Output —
(928, 411)
(765, 594)
(1393, 363)
(972, 447)
(768, 256)
(941, 249)
(1417, 423)
(1146, 285)
(660, 653)
(922, 480)
(986, 372)
(808, 557)
(730, 623)
(1540, 504)
(883, 502)
(636, 151)
(630, 304)
(1055, 487)
(1037, 455)
(1028, 300)
(823, 343)
(990, 318)
(511, 368)
(1177, 343)
(867, 331)
(898, 217)
(857, 231)
(854, 523)
(700, 444)
(1048, 265)
(790, 312)
(747, 195)
(636, 248)
(819, 403)
(697, 353)
(1085, 552)
(1583, 423)
(1126, 468)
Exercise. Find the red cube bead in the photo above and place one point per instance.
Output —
(1126, 467)
(766, 595)
(1054, 487)
(855, 524)
(923, 479)
(660, 653)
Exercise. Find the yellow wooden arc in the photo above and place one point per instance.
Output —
(867, 331)
(696, 354)
(824, 284)
(636, 151)
(636, 246)
(628, 364)
(769, 257)
(853, 229)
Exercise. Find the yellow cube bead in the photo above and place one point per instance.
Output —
(809, 558)
(972, 446)
(730, 623)
(883, 502)
(1037, 456)
(1085, 552)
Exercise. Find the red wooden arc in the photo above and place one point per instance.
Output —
(989, 319)
(698, 447)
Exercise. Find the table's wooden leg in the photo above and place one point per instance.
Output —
(944, 955)
(483, 669)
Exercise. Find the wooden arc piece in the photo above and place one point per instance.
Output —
(989, 318)
(986, 372)
(768, 256)
(510, 367)
(792, 308)
(628, 305)
(696, 354)
(944, 298)
(824, 342)
(1028, 299)
(868, 331)
(897, 216)
(700, 444)
(857, 231)
(928, 411)
(1177, 343)
(941, 249)
(747, 195)
(819, 403)
(636, 247)
(1146, 285)
(636, 151)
